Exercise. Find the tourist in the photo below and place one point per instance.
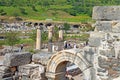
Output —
(65, 44)
(75, 46)
(69, 46)
(117, 48)
(21, 47)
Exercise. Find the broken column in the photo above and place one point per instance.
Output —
(60, 33)
(38, 37)
(50, 32)
(60, 43)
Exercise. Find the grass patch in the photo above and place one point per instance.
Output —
(26, 41)
(54, 12)
(82, 37)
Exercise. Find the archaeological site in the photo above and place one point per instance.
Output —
(98, 60)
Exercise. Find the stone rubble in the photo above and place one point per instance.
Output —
(23, 66)
(108, 51)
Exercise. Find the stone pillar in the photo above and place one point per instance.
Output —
(38, 38)
(60, 43)
(61, 34)
(50, 32)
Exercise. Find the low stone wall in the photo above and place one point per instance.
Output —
(21, 66)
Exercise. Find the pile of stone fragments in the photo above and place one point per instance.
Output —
(23, 66)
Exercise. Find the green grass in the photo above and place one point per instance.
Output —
(82, 37)
(26, 41)
(60, 7)
(53, 12)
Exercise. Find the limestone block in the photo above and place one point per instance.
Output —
(101, 70)
(32, 70)
(115, 62)
(94, 41)
(119, 55)
(41, 58)
(8, 78)
(107, 52)
(17, 59)
(105, 26)
(25, 78)
(97, 34)
(116, 68)
(102, 62)
(88, 54)
(28, 69)
(106, 13)
(5, 72)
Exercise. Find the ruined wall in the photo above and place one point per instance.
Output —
(105, 41)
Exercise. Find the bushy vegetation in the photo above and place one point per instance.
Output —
(62, 10)
(11, 38)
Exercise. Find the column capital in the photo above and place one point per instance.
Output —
(39, 27)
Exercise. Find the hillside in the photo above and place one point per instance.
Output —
(58, 10)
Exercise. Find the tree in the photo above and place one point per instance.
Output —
(23, 11)
(56, 34)
(44, 36)
(34, 8)
(11, 38)
(33, 35)
(66, 26)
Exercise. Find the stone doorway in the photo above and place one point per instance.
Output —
(56, 67)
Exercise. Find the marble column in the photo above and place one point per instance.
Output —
(38, 38)
(60, 43)
(50, 32)
(61, 34)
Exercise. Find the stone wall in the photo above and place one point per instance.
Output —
(107, 53)
(24, 66)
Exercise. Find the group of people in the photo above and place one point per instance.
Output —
(67, 45)
(70, 44)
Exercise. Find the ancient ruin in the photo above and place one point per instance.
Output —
(97, 61)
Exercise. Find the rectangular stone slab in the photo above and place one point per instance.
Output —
(106, 13)
(94, 41)
(17, 59)
(105, 26)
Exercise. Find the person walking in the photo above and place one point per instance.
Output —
(21, 47)
(117, 48)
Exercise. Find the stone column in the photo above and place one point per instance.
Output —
(61, 34)
(38, 38)
(50, 32)
(60, 43)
